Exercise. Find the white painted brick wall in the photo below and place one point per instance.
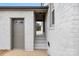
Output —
(5, 28)
(64, 38)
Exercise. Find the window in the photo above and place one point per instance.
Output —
(52, 15)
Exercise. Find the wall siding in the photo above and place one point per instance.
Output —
(64, 35)
(5, 28)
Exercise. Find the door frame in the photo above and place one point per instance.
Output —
(11, 32)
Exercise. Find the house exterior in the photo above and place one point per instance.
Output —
(62, 29)
(18, 23)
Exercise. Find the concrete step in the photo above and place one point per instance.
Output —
(40, 38)
(41, 46)
(40, 41)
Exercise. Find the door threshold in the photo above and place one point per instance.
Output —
(17, 49)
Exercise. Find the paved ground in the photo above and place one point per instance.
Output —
(23, 53)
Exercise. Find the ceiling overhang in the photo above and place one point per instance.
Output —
(23, 8)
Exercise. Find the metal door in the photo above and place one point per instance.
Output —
(18, 29)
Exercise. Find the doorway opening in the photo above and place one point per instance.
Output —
(17, 33)
(39, 28)
(40, 41)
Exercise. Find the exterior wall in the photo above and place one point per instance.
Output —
(75, 28)
(5, 28)
(64, 35)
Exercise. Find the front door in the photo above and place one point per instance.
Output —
(18, 33)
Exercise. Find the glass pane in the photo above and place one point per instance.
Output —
(53, 17)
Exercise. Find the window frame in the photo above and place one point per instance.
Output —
(52, 19)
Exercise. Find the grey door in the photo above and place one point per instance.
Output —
(18, 35)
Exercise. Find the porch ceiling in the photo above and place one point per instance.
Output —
(40, 16)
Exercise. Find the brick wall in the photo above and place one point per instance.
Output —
(64, 35)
